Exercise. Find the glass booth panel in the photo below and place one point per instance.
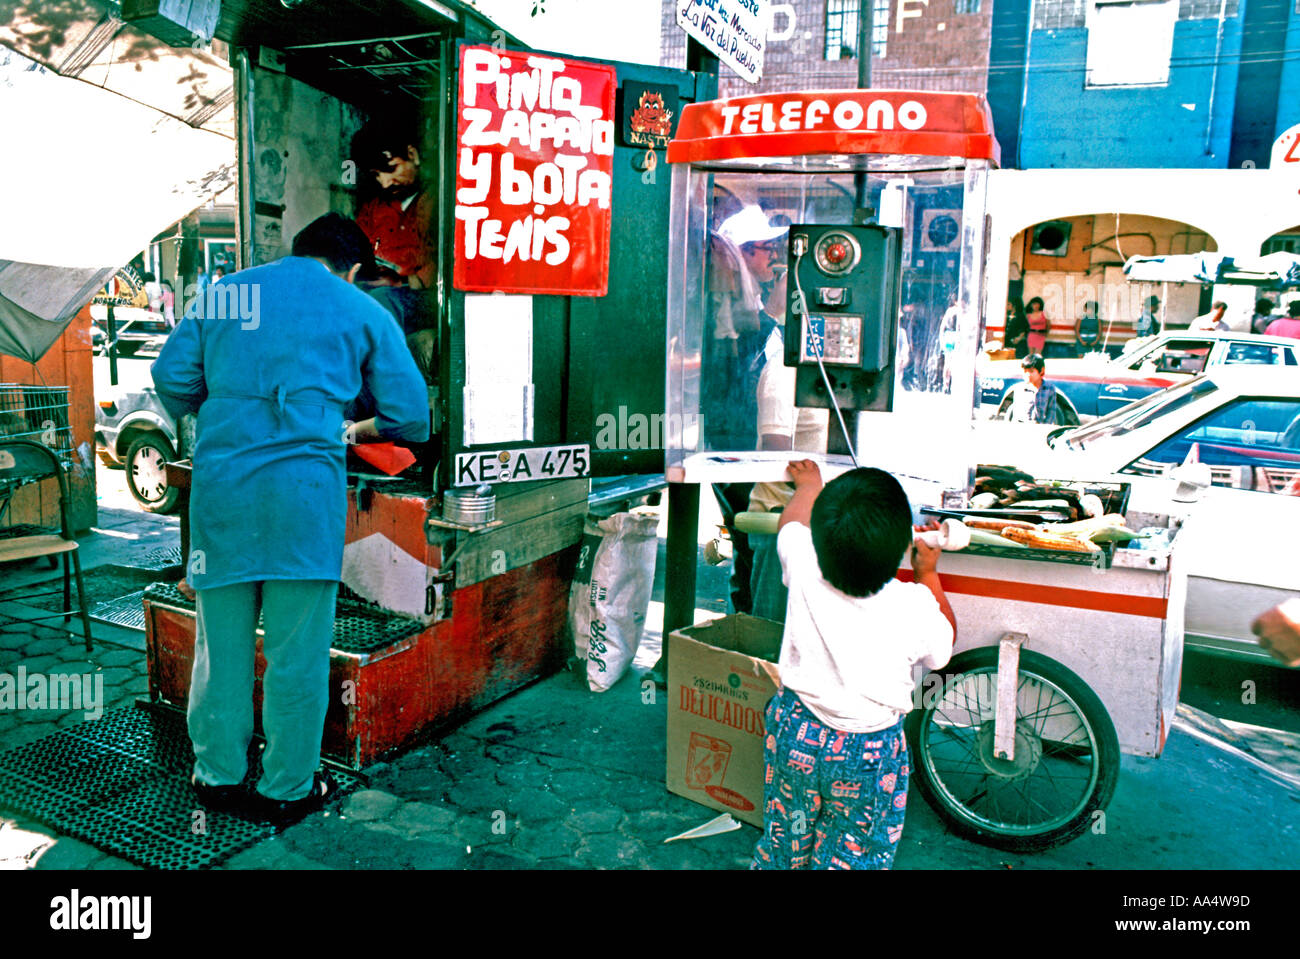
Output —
(777, 300)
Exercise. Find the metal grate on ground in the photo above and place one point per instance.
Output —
(359, 629)
(156, 561)
(126, 611)
(121, 783)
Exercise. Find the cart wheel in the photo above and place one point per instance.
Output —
(1066, 755)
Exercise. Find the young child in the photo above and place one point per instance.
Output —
(835, 784)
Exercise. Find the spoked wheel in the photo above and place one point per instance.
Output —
(1065, 763)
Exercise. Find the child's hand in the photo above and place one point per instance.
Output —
(806, 474)
(925, 559)
(807, 477)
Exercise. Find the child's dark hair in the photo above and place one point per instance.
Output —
(861, 527)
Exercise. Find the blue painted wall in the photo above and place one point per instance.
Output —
(1007, 42)
(1259, 84)
(1288, 105)
(1064, 124)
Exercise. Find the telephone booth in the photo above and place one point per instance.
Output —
(825, 298)
(825, 284)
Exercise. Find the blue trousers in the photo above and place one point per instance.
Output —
(766, 583)
(298, 626)
(832, 800)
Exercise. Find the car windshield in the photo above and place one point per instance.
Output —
(1134, 349)
(142, 325)
(1134, 415)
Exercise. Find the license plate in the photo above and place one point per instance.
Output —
(522, 465)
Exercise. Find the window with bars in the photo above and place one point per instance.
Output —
(842, 28)
(973, 6)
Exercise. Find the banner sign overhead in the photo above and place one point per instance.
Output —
(734, 31)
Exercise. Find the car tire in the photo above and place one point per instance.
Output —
(968, 790)
(146, 476)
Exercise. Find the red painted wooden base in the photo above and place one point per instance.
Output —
(503, 633)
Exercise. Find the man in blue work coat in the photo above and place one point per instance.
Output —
(269, 358)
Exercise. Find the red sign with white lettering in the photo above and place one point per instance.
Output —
(534, 173)
(882, 122)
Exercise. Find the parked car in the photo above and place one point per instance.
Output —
(1239, 541)
(1096, 385)
(135, 431)
(139, 332)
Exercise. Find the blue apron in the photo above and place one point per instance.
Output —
(269, 357)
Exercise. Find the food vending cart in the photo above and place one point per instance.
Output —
(825, 296)
(528, 274)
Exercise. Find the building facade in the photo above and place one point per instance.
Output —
(1186, 84)
(916, 44)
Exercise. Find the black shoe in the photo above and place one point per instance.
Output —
(220, 798)
(282, 812)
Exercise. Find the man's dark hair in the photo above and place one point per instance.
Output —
(1293, 309)
(861, 527)
(379, 136)
(338, 241)
(1263, 307)
(373, 147)
(1034, 361)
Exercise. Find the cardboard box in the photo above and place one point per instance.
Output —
(721, 675)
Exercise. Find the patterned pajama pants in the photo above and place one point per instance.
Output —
(832, 800)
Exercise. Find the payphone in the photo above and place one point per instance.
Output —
(843, 294)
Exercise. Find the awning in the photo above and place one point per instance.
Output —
(78, 39)
(87, 181)
(1178, 268)
(1274, 271)
(38, 302)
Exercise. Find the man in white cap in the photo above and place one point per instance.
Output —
(746, 246)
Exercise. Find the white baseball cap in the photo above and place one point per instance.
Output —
(750, 225)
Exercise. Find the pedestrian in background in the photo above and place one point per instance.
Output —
(1148, 322)
(1212, 321)
(153, 290)
(168, 304)
(1263, 315)
(1039, 326)
(1016, 334)
(1288, 325)
(1034, 400)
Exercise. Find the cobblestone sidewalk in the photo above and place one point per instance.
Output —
(552, 777)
